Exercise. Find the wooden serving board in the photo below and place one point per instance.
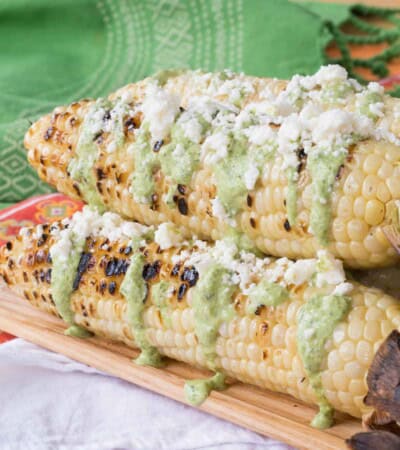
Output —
(270, 414)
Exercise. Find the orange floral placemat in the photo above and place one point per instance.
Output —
(36, 210)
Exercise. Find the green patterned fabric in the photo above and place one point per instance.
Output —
(54, 52)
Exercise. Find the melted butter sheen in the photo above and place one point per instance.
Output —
(133, 288)
(62, 279)
(316, 322)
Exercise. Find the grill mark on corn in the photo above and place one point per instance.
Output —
(183, 206)
(116, 267)
(190, 275)
(182, 291)
(42, 240)
(48, 134)
(82, 267)
(150, 271)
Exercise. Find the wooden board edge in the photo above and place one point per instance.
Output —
(243, 405)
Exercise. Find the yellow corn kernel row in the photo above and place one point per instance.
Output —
(257, 349)
(367, 186)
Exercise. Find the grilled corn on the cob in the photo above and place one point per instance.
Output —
(293, 327)
(295, 166)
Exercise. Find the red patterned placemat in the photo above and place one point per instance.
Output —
(36, 210)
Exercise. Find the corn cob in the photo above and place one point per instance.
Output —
(256, 343)
(291, 202)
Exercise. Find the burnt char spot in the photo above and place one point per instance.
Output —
(49, 133)
(182, 189)
(48, 276)
(112, 287)
(183, 207)
(100, 174)
(339, 172)
(42, 276)
(258, 310)
(9, 245)
(150, 271)
(252, 222)
(107, 115)
(190, 275)
(5, 278)
(286, 225)
(182, 291)
(302, 157)
(76, 188)
(30, 259)
(249, 201)
(99, 187)
(42, 240)
(158, 145)
(82, 267)
(130, 124)
(40, 256)
(128, 250)
(97, 136)
(116, 266)
(25, 276)
(175, 270)
(10, 263)
(103, 286)
(154, 204)
(49, 259)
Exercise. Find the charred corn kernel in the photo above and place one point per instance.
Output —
(257, 348)
(368, 180)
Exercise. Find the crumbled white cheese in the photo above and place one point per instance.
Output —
(343, 289)
(329, 270)
(192, 129)
(251, 176)
(300, 271)
(219, 212)
(376, 88)
(259, 134)
(288, 140)
(89, 222)
(159, 109)
(215, 148)
(168, 235)
(377, 109)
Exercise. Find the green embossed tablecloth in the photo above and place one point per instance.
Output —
(52, 52)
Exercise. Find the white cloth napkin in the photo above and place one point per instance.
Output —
(49, 402)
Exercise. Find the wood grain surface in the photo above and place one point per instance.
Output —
(270, 414)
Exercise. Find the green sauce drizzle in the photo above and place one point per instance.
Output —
(316, 322)
(159, 295)
(162, 76)
(230, 172)
(178, 165)
(81, 167)
(197, 391)
(266, 293)
(63, 273)
(323, 167)
(134, 289)
(212, 305)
